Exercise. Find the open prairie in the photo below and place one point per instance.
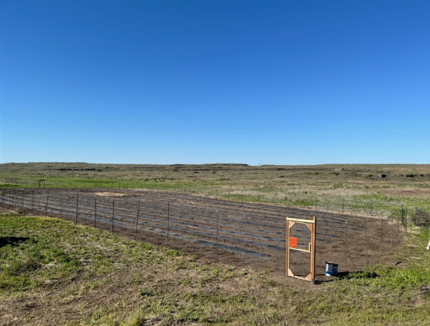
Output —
(211, 242)
(355, 188)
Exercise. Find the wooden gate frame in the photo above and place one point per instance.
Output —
(311, 225)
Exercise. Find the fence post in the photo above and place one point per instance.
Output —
(95, 212)
(406, 221)
(392, 227)
(137, 218)
(13, 198)
(168, 222)
(398, 227)
(380, 246)
(23, 196)
(346, 245)
(61, 204)
(217, 227)
(367, 245)
(47, 202)
(32, 200)
(113, 214)
(77, 207)
(402, 215)
(343, 204)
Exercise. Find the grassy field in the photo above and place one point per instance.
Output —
(53, 272)
(356, 188)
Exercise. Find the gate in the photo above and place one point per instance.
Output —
(291, 244)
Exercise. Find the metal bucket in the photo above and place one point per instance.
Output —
(331, 269)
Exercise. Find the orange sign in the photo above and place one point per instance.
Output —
(293, 242)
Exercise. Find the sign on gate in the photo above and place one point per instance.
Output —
(293, 242)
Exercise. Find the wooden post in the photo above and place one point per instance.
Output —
(313, 249)
(287, 246)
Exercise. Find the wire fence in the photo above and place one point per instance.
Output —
(255, 230)
(336, 198)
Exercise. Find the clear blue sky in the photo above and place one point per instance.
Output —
(270, 82)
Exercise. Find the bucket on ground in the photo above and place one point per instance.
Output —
(331, 269)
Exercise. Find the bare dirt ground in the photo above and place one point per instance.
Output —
(241, 234)
(406, 192)
(4, 210)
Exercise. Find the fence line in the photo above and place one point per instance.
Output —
(255, 230)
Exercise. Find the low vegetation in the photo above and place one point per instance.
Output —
(53, 272)
(355, 188)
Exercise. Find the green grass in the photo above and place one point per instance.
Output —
(355, 189)
(107, 280)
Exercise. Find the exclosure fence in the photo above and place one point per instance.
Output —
(256, 230)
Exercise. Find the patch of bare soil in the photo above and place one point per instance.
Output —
(110, 194)
(4, 210)
(406, 192)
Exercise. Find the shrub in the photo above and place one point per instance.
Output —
(420, 217)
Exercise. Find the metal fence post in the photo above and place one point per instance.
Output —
(346, 245)
(217, 228)
(398, 227)
(380, 246)
(113, 214)
(343, 204)
(402, 214)
(406, 221)
(61, 204)
(367, 245)
(168, 222)
(95, 212)
(47, 202)
(392, 228)
(77, 207)
(137, 219)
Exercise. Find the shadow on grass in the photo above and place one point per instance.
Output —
(347, 276)
(13, 241)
